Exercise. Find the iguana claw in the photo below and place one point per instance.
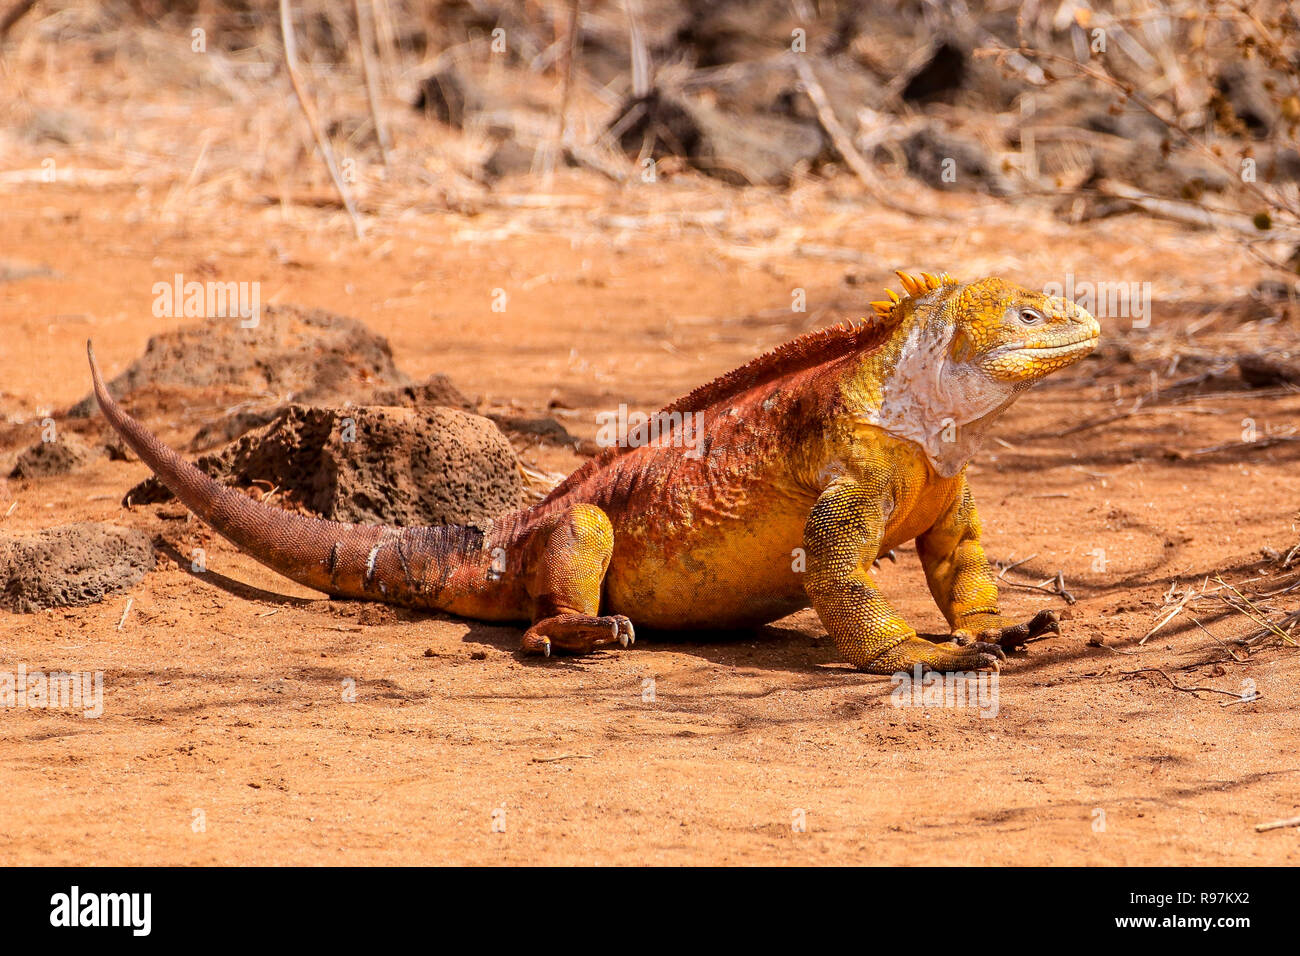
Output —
(1012, 636)
(972, 655)
(988, 656)
(577, 634)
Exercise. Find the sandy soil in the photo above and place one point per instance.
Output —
(227, 737)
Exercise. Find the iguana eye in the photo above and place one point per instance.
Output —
(1030, 317)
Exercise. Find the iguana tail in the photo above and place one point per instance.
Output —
(415, 567)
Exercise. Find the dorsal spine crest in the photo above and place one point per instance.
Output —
(914, 286)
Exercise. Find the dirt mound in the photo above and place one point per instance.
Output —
(45, 458)
(400, 466)
(435, 390)
(292, 354)
(70, 566)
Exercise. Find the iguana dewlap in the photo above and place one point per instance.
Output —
(809, 463)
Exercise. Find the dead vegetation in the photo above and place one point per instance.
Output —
(1178, 110)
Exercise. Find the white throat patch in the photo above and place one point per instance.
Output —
(939, 404)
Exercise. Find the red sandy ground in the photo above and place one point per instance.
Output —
(223, 692)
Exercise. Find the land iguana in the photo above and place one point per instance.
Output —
(809, 463)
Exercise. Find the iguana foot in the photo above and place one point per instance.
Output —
(907, 654)
(976, 656)
(577, 634)
(996, 630)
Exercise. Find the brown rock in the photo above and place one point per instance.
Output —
(1267, 370)
(399, 466)
(754, 149)
(70, 566)
(61, 457)
(292, 354)
(435, 390)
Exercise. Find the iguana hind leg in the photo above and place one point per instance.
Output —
(568, 572)
(841, 539)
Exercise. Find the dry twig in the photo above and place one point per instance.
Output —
(291, 65)
(366, 36)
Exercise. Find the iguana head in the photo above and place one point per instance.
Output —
(1012, 334)
(962, 353)
(1018, 336)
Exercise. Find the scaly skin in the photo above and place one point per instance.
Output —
(812, 462)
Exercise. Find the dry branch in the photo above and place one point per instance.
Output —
(366, 36)
(1192, 214)
(291, 64)
(1187, 690)
(569, 54)
(1277, 824)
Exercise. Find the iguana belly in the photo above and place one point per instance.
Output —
(734, 557)
(726, 561)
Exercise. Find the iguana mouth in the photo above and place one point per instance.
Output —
(1088, 340)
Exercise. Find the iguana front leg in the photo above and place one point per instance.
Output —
(963, 584)
(841, 538)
